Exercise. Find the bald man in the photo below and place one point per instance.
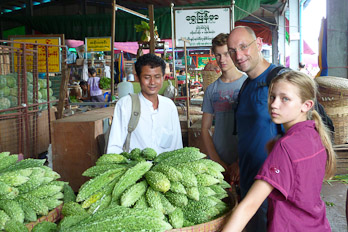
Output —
(254, 125)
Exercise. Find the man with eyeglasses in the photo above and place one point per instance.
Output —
(219, 102)
(254, 125)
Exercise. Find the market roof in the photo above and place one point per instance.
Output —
(9, 6)
(80, 26)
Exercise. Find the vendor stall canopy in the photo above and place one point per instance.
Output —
(79, 26)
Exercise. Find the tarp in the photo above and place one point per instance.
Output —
(260, 30)
(82, 26)
(322, 58)
(310, 58)
(130, 47)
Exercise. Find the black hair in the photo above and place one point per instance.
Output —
(181, 71)
(149, 59)
(91, 71)
(301, 65)
(82, 83)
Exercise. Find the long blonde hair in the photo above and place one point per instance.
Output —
(308, 89)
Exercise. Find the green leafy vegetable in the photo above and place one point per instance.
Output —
(105, 83)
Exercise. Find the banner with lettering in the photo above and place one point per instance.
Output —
(200, 26)
(100, 44)
(53, 57)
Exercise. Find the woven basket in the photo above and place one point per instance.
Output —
(333, 95)
(209, 77)
(53, 216)
(333, 91)
(340, 122)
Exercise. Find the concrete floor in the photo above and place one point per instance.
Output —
(336, 214)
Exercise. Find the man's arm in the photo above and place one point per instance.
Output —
(258, 192)
(207, 120)
(177, 141)
(118, 132)
(234, 172)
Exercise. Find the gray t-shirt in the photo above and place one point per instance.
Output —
(219, 100)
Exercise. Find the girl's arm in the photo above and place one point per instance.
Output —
(248, 206)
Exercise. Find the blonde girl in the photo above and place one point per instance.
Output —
(292, 175)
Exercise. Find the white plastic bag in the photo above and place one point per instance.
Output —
(169, 91)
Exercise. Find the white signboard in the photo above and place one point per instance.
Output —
(200, 26)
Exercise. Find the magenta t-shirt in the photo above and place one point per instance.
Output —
(296, 169)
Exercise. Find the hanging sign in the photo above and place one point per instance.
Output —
(200, 26)
(53, 57)
(100, 44)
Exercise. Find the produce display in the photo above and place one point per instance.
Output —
(140, 191)
(28, 190)
(9, 91)
(105, 83)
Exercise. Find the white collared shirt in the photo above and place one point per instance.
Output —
(158, 129)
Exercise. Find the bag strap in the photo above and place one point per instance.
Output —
(107, 129)
(271, 75)
(133, 121)
(237, 103)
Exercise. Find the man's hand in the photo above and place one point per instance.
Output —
(233, 171)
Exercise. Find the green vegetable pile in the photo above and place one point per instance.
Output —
(73, 99)
(105, 83)
(140, 191)
(28, 190)
(9, 91)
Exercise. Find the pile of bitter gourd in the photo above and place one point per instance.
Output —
(28, 190)
(140, 191)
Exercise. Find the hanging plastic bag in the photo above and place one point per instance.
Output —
(170, 90)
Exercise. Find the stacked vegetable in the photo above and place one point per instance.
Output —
(105, 83)
(140, 191)
(9, 91)
(28, 190)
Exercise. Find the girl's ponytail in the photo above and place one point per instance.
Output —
(326, 140)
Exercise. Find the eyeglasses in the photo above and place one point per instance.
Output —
(241, 48)
(218, 55)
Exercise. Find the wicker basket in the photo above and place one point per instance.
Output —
(340, 122)
(209, 77)
(53, 216)
(333, 95)
(333, 91)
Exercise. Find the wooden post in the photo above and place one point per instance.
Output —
(152, 29)
(63, 86)
(112, 48)
(232, 15)
(187, 85)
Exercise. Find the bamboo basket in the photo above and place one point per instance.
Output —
(53, 216)
(333, 95)
(333, 91)
(340, 122)
(209, 77)
(214, 225)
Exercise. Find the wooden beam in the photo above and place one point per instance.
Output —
(112, 47)
(63, 89)
(187, 85)
(29, 12)
(130, 11)
(83, 6)
(152, 29)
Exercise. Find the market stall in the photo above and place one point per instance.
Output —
(31, 75)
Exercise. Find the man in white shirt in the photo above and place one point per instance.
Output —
(159, 125)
